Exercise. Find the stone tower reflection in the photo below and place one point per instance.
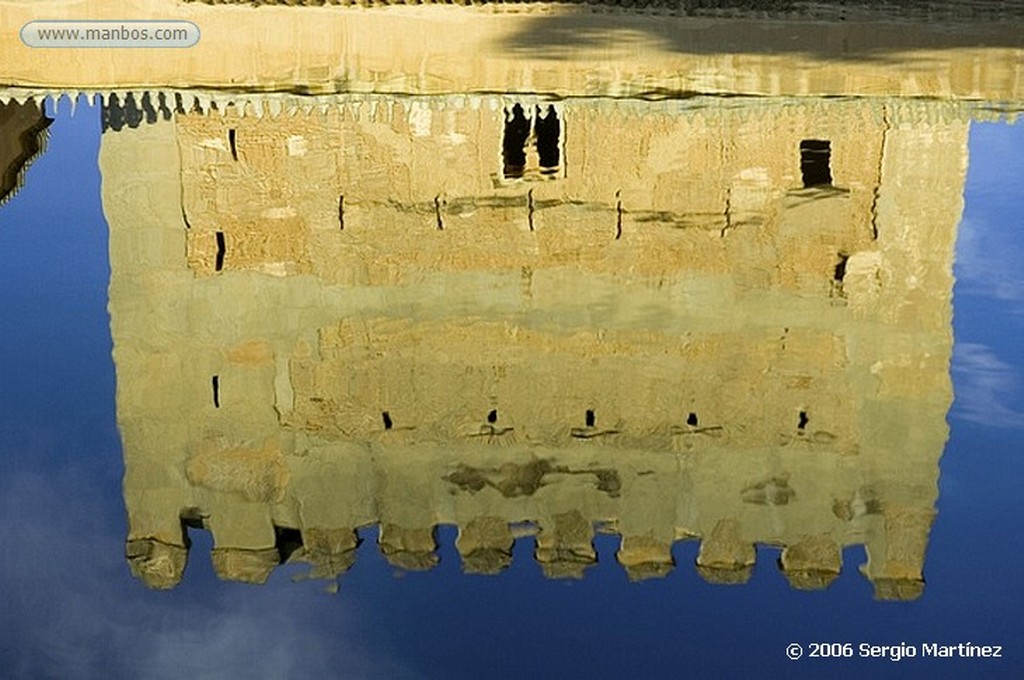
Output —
(720, 320)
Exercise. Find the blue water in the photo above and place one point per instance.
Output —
(71, 609)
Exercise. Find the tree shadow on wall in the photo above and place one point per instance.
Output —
(854, 30)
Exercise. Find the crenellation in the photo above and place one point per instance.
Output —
(565, 545)
(157, 564)
(896, 555)
(330, 552)
(725, 557)
(564, 549)
(243, 565)
(410, 548)
(485, 544)
(158, 496)
(812, 563)
(645, 557)
(237, 524)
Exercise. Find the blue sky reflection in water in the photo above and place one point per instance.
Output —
(72, 610)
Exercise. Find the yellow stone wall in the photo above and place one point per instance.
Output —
(443, 49)
(741, 324)
(670, 190)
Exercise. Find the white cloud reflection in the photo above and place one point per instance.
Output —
(989, 245)
(70, 609)
(988, 262)
(987, 388)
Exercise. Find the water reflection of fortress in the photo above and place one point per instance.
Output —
(726, 321)
(23, 134)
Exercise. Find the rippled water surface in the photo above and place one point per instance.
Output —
(503, 387)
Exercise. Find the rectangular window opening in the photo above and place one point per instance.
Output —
(513, 146)
(532, 143)
(815, 157)
(548, 131)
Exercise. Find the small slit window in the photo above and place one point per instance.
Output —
(218, 264)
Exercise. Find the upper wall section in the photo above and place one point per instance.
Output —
(561, 50)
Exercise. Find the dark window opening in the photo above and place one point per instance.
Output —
(221, 250)
(215, 382)
(814, 162)
(548, 130)
(691, 419)
(231, 143)
(387, 420)
(590, 418)
(618, 212)
(437, 211)
(802, 423)
(529, 205)
(191, 518)
(492, 417)
(287, 541)
(341, 211)
(513, 152)
(840, 272)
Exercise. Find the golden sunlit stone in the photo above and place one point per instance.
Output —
(724, 556)
(812, 564)
(409, 548)
(255, 474)
(245, 566)
(558, 49)
(689, 343)
(331, 552)
(645, 557)
(565, 548)
(159, 565)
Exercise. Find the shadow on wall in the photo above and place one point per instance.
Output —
(853, 30)
(23, 135)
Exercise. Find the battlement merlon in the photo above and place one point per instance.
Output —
(327, 49)
(249, 543)
(896, 554)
